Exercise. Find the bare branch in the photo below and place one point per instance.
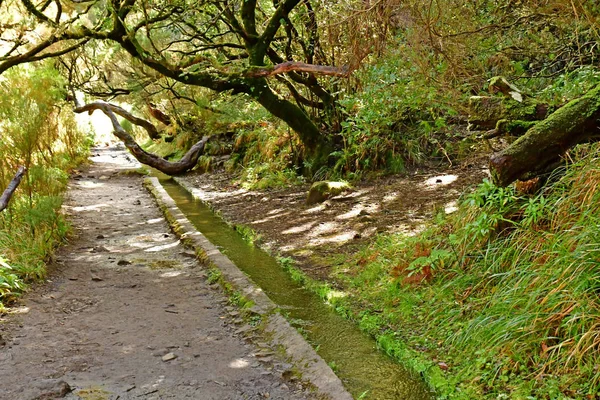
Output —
(297, 67)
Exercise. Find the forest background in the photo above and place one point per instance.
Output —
(295, 91)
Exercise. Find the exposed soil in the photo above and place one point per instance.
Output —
(340, 225)
(127, 312)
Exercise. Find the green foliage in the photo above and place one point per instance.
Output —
(43, 136)
(248, 234)
(512, 294)
(397, 118)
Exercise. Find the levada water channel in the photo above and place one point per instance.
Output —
(365, 372)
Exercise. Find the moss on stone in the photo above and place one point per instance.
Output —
(323, 190)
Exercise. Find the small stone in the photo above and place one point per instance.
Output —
(100, 249)
(438, 181)
(96, 278)
(123, 262)
(160, 353)
(243, 329)
(169, 357)
(443, 366)
(283, 386)
(51, 389)
(188, 253)
(137, 203)
(100, 237)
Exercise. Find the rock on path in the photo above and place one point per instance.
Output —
(127, 313)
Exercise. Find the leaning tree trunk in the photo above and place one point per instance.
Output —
(12, 186)
(316, 144)
(547, 140)
(187, 162)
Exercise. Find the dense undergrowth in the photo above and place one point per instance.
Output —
(406, 105)
(498, 300)
(39, 132)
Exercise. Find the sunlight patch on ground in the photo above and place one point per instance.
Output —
(304, 253)
(89, 184)
(287, 248)
(339, 238)
(262, 221)
(357, 193)
(90, 208)
(355, 212)
(170, 274)
(315, 209)
(213, 195)
(275, 211)
(239, 363)
(163, 247)
(335, 294)
(322, 228)
(19, 310)
(390, 197)
(299, 228)
(154, 221)
(451, 207)
(440, 180)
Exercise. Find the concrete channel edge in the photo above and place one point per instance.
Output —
(301, 354)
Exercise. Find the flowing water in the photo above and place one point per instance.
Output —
(366, 372)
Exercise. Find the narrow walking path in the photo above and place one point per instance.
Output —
(127, 312)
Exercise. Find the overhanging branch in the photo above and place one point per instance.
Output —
(187, 162)
(297, 66)
(147, 125)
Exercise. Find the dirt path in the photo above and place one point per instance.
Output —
(319, 236)
(123, 299)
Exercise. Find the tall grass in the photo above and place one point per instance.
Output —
(505, 292)
(39, 132)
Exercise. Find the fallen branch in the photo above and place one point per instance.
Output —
(187, 162)
(297, 66)
(10, 189)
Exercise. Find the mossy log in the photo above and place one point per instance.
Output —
(486, 111)
(548, 140)
(510, 128)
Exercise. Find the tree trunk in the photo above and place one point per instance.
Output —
(187, 162)
(10, 189)
(547, 140)
(316, 144)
